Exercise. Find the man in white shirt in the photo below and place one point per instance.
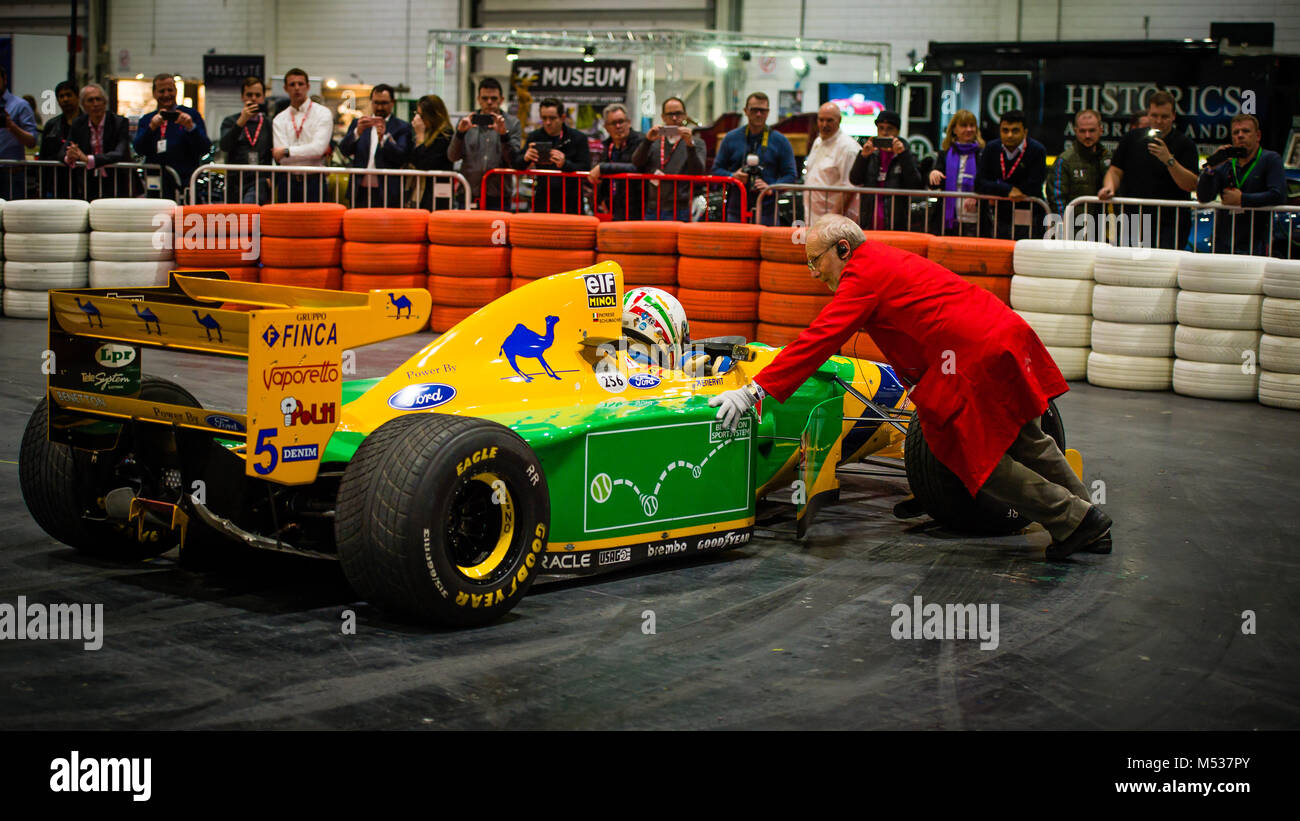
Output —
(829, 162)
(301, 136)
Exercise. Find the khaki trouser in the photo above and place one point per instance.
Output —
(1034, 477)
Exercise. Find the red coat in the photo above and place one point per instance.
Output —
(980, 371)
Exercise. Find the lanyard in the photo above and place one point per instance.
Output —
(1249, 168)
(260, 122)
(162, 132)
(298, 127)
(1002, 158)
(763, 144)
(662, 161)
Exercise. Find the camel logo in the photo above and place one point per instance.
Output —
(92, 313)
(209, 324)
(422, 397)
(528, 344)
(149, 317)
(400, 302)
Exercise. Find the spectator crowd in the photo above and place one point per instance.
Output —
(985, 189)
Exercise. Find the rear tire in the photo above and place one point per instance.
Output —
(944, 496)
(61, 484)
(443, 519)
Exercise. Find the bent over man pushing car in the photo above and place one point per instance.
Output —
(981, 378)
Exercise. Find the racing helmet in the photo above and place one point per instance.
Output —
(655, 318)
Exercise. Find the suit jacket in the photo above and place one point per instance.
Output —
(902, 173)
(393, 152)
(185, 149)
(117, 138)
(116, 149)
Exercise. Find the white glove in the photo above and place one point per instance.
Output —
(733, 404)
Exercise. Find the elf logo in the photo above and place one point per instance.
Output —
(115, 356)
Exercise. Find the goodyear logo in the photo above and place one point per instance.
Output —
(421, 397)
(602, 291)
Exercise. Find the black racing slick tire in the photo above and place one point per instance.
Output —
(443, 519)
(943, 495)
(63, 487)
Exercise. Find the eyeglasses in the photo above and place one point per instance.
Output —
(611, 123)
(674, 114)
(812, 263)
(758, 110)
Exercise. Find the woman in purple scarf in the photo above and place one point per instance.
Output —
(954, 170)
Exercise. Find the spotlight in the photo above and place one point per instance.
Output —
(798, 64)
(512, 54)
(821, 59)
(589, 54)
(716, 57)
(331, 83)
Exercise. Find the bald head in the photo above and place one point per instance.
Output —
(830, 241)
(828, 120)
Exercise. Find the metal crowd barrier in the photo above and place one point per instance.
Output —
(392, 188)
(51, 179)
(998, 217)
(616, 196)
(1272, 231)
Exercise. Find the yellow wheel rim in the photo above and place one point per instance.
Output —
(504, 502)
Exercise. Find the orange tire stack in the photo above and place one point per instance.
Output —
(646, 251)
(913, 241)
(717, 277)
(385, 248)
(789, 295)
(302, 244)
(546, 244)
(468, 262)
(978, 260)
(226, 229)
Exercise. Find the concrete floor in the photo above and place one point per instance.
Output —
(779, 634)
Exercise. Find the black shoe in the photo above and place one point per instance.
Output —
(909, 509)
(1094, 527)
(1102, 545)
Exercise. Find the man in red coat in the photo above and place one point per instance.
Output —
(981, 376)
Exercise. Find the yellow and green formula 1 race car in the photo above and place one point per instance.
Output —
(527, 440)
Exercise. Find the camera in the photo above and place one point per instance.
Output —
(543, 152)
(1152, 134)
(1226, 153)
(482, 120)
(262, 108)
(669, 132)
(883, 142)
(171, 116)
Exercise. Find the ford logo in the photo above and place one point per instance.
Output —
(225, 423)
(420, 397)
(644, 381)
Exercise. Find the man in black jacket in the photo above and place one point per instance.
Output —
(246, 140)
(880, 167)
(671, 149)
(1159, 163)
(565, 150)
(54, 141)
(1013, 166)
(99, 139)
(380, 140)
(624, 198)
(1253, 181)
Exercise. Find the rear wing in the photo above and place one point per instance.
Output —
(293, 339)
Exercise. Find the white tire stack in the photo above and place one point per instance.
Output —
(1217, 340)
(1279, 347)
(46, 243)
(1134, 309)
(1052, 292)
(130, 242)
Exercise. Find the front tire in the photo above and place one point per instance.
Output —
(443, 519)
(943, 495)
